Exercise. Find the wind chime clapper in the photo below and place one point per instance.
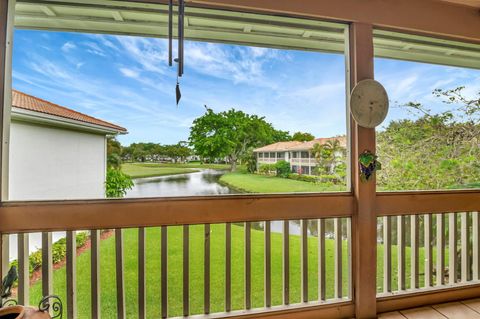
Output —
(181, 38)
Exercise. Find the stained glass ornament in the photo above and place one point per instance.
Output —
(368, 165)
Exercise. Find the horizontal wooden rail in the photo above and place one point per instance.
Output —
(127, 213)
(427, 296)
(420, 202)
(311, 310)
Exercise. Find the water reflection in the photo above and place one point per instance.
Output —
(205, 182)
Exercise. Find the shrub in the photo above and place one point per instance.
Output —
(59, 250)
(267, 169)
(117, 183)
(304, 178)
(283, 169)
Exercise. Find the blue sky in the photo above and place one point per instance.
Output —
(126, 80)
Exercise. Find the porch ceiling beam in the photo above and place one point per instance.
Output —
(444, 19)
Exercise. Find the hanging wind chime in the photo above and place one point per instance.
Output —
(181, 37)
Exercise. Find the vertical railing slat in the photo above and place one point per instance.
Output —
(119, 274)
(186, 270)
(142, 287)
(428, 229)
(164, 270)
(322, 291)
(337, 225)
(401, 251)
(349, 256)
(206, 270)
(304, 259)
(248, 266)
(71, 274)
(476, 245)
(268, 265)
(452, 248)
(23, 269)
(286, 262)
(440, 267)
(414, 252)
(466, 247)
(387, 254)
(47, 264)
(228, 267)
(95, 274)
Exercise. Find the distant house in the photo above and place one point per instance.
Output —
(298, 154)
(56, 152)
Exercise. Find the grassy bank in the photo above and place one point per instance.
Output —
(254, 183)
(141, 170)
(184, 165)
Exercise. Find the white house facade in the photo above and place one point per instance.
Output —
(298, 154)
(55, 152)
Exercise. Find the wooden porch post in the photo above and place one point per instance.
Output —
(364, 218)
(5, 50)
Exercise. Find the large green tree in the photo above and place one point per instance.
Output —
(230, 134)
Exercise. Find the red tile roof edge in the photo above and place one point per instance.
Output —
(32, 103)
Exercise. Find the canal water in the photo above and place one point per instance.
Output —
(202, 183)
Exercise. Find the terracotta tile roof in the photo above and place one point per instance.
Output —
(299, 146)
(32, 103)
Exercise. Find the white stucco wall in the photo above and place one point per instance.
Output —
(55, 163)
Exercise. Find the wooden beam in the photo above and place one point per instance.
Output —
(405, 15)
(420, 202)
(106, 214)
(427, 296)
(365, 218)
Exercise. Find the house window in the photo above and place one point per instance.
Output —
(304, 154)
(294, 154)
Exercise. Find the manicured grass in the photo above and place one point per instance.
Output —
(142, 170)
(217, 241)
(107, 266)
(186, 165)
(254, 183)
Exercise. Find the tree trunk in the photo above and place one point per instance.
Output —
(233, 164)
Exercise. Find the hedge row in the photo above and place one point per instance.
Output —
(59, 251)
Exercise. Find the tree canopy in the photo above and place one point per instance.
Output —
(231, 134)
(302, 137)
(434, 150)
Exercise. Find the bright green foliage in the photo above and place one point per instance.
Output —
(283, 168)
(152, 152)
(230, 135)
(267, 169)
(433, 151)
(250, 162)
(114, 151)
(58, 252)
(331, 161)
(117, 183)
(302, 137)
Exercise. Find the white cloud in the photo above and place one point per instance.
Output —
(129, 73)
(68, 46)
(94, 48)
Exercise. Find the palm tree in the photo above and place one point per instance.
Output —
(328, 155)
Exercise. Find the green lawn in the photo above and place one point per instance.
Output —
(253, 183)
(107, 266)
(184, 165)
(143, 170)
